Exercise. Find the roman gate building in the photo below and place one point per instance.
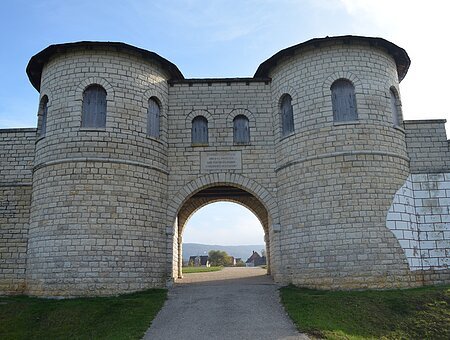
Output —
(94, 201)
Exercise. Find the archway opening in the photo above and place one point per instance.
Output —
(246, 222)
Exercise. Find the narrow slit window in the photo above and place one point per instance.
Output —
(394, 109)
(153, 118)
(94, 107)
(200, 131)
(343, 101)
(241, 130)
(287, 115)
(43, 118)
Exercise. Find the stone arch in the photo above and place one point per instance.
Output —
(192, 197)
(160, 99)
(79, 91)
(326, 91)
(395, 89)
(48, 93)
(230, 125)
(195, 113)
(298, 118)
(398, 104)
(252, 204)
(286, 89)
(216, 179)
(40, 113)
(152, 93)
(356, 82)
(196, 202)
(244, 112)
(91, 81)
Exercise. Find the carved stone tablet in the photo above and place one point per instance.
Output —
(217, 161)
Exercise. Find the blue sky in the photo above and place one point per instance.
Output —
(215, 38)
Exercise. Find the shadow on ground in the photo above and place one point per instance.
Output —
(234, 303)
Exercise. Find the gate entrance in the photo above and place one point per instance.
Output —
(218, 193)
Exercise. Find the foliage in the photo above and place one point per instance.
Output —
(219, 258)
(420, 313)
(189, 270)
(240, 263)
(121, 317)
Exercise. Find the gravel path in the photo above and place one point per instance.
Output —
(234, 303)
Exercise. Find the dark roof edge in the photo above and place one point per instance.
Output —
(399, 54)
(219, 80)
(18, 130)
(37, 62)
(425, 121)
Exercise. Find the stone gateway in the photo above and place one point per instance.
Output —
(94, 201)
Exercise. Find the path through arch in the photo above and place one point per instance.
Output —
(214, 193)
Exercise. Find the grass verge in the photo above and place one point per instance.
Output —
(419, 313)
(189, 270)
(122, 317)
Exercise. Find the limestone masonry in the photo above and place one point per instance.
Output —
(94, 201)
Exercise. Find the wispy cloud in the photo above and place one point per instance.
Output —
(422, 29)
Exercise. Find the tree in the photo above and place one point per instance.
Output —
(240, 263)
(219, 258)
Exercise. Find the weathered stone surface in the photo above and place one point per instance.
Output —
(101, 211)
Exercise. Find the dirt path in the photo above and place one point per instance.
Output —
(234, 303)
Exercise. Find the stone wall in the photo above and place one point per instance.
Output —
(220, 101)
(419, 215)
(420, 219)
(428, 147)
(195, 203)
(108, 204)
(16, 163)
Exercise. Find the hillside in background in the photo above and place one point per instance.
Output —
(244, 252)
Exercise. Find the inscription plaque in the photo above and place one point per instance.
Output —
(217, 161)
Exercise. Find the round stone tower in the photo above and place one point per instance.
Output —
(100, 172)
(340, 164)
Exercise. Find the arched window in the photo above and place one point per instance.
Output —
(241, 130)
(153, 116)
(94, 107)
(43, 116)
(287, 115)
(200, 130)
(395, 108)
(344, 101)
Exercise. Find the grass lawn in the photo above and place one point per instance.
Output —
(189, 270)
(420, 313)
(122, 317)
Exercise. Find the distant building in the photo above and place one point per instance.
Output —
(255, 260)
(199, 261)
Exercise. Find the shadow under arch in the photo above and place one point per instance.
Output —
(214, 188)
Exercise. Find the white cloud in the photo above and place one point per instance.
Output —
(422, 29)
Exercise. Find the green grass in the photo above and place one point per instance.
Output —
(420, 313)
(122, 317)
(190, 270)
